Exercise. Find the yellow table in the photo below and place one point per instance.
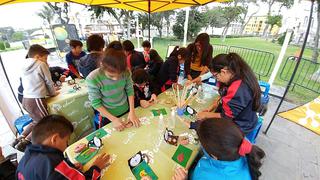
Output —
(148, 139)
(75, 106)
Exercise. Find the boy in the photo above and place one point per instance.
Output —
(110, 90)
(37, 84)
(44, 160)
(74, 55)
(144, 95)
(135, 59)
(90, 62)
(146, 50)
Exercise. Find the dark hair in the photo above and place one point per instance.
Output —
(127, 45)
(182, 52)
(154, 56)
(37, 49)
(95, 43)
(75, 43)
(115, 45)
(241, 71)
(222, 139)
(140, 76)
(207, 50)
(146, 43)
(114, 60)
(50, 125)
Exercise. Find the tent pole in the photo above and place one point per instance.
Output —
(295, 68)
(149, 19)
(6, 75)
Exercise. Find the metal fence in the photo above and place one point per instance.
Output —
(308, 73)
(260, 61)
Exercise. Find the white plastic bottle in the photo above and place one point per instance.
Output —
(161, 124)
(172, 120)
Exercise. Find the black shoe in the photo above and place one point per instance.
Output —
(22, 145)
(16, 141)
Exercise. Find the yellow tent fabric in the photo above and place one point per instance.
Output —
(134, 5)
(307, 115)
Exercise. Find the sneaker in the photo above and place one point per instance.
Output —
(22, 145)
(16, 141)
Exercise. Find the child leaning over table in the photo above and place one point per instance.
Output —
(110, 90)
(37, 84)
(144, 94)
(44, 159)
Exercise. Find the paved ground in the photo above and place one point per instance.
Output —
(293, 152)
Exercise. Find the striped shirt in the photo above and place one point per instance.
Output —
(112, 94)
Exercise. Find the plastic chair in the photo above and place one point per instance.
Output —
(21, 122)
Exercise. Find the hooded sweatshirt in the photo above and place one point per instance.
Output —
(36, 80)
(209, 168)
(45, 163)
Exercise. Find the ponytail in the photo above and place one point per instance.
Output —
(254, 161)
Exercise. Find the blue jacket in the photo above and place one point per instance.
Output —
(211, 169)
(45, 163)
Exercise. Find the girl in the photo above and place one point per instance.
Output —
(110, 88)
(227, 153)
(200, 53)
(239, 92)
(154, 64)
(168, 73)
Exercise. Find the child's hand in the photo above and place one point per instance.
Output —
(180, 174)
(118, 124)
(144, 103)
(62, 78)
(78, 166)
(57, 93)
(102, 161)
(153, 98)
(1, 155)
(202, 115)
(188, 83)
(133, 118)
(207, 110)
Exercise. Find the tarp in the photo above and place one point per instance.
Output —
(307, 115)
(150, 6)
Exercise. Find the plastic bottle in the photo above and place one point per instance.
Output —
(172, 120)
(161, 124)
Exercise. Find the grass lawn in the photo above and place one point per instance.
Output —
(299, 95)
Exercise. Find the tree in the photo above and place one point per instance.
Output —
(231, 14)
(167, 15)
(157, 21)
(315, 53)
(274, 21)
(283, 3)
(61, 11)
(195, 23)
(18, 36)
(144, 21)
(46, 13)
(214, 18)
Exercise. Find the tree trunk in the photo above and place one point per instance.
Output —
(315, 53)
(128, 28)
(168, 26)
(225, 32)
(245, 24)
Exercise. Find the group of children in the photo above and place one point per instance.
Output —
(120, 79)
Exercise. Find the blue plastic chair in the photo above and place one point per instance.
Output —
(21, 122)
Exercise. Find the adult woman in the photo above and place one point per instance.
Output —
(200, 55)
(239, 92)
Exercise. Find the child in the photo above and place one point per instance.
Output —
(74, 55)
(44, 159)
(146, 50)
(227, 153)
(200, 53)
(37, 84)
(91, 61)
(144, 95)
(154, 64)
(110, 88)
(135, 59)
(57, 74)
(168, 73)
(239, 92)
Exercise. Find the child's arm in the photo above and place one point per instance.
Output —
(130, 93)
(46, 75)
(173, 74)
(206, 115)
(71, 66)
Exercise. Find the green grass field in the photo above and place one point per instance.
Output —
(299, 95)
